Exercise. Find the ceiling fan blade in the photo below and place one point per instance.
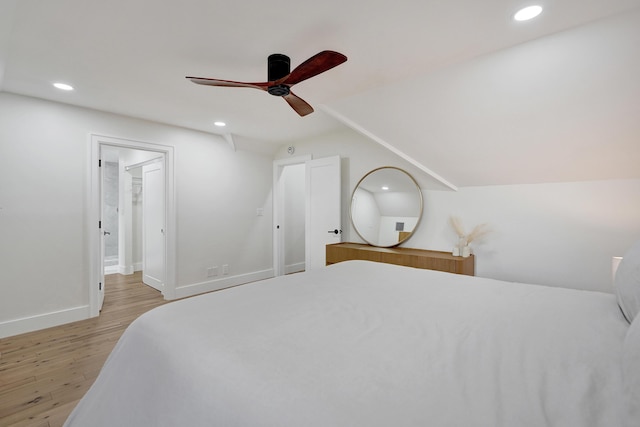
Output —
(227, 83)
(318, 63)
(298, 104)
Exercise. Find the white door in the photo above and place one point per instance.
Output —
(101, 231)
(153, 225)
(323, 217)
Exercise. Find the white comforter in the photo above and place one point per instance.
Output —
(367, 344)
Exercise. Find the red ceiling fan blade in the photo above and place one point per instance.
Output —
(313, 66)
(227, 83)
(298, 104)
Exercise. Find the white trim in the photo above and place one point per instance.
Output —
(226, 282)
(278, 208)
(294, 268)
(125, 270)
(353, 125)
(145, 163)
(93, 209)
(43, 321)
(111, 269)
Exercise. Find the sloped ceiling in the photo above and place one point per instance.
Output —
(457, 87)
(564, 107)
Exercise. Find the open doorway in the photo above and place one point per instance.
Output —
(133, 213)
(110, 212)
(289, 215)
(307, 214)
(292, 223)
(132, 202)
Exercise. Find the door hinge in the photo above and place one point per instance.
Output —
(99, 224)
(100, 286)
(99, 163)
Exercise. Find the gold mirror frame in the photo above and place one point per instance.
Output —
(375, 179)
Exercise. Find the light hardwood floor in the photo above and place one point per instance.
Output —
(44, 374)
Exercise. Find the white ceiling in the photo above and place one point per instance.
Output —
(438, 81)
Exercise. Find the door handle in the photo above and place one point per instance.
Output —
(106, 233)
(336, 231)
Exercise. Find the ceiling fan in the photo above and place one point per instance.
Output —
(281, 78)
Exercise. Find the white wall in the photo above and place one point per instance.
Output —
(559, 234)
(555, 109)
(43, 198)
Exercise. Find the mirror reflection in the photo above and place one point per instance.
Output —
(386, 206)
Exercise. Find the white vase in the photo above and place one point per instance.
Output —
(459, 249)
(466, 251)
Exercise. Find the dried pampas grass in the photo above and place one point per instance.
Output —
(457, 225)
(475, 234)
(478, 232)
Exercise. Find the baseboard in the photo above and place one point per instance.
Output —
(111, 269)
(120, 269)
(125, 269)
(43, 321)
(294, 268)
(222, 283)
(47, 320)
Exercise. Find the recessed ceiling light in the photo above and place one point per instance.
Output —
(385, 187)
(527, 13)
(63, 86)
(220, 124)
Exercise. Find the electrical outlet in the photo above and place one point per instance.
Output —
(212, 271)
(225, 269)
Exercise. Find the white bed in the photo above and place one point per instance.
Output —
(369, 344)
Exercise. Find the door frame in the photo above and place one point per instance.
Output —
(278, 209)
(93, 232)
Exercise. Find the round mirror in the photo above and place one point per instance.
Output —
(386, 206)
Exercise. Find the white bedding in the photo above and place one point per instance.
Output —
(367, 344)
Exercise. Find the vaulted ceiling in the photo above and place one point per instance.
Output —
(456, 87)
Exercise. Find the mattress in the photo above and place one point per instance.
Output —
(367, 344)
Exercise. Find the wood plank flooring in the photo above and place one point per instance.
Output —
(44, 374)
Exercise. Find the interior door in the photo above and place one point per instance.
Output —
(153, 225)
(101, 232)
(323, 216)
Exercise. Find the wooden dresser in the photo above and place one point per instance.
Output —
(419, 258)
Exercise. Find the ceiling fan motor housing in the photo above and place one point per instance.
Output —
(279, 65)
